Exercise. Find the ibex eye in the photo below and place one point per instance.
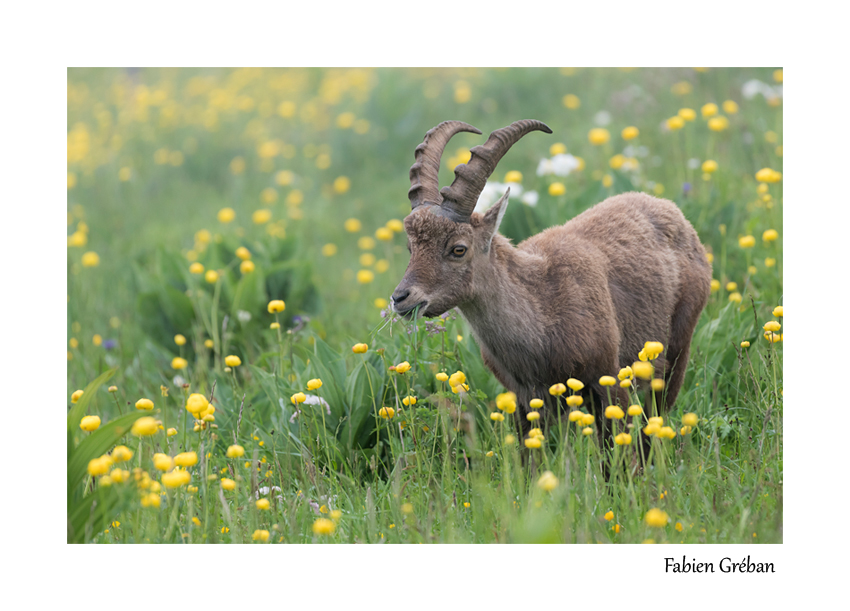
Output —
(459, 251)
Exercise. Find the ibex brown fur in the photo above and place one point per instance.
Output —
(575, 301)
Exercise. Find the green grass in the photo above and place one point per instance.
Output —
(424, 475)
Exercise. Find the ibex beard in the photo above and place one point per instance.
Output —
(577, 300)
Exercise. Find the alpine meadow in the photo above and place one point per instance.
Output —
(237, 372)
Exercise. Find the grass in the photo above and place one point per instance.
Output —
(155, 155)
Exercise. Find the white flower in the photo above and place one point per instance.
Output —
(178, 381)
(635, 151)
(544, 168)
(243, 316)
(602, 118)
(317, 400)
(754, 87)
(693, 163)
(563, 164)
(530, 198)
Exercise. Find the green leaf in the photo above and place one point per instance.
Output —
(78, 410)
(96, 445)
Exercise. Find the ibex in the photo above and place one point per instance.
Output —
(577, 300)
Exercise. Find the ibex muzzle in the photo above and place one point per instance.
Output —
(577, 300)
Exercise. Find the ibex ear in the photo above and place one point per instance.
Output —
(493, 218)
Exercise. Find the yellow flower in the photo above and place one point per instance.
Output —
(145, 426)
(314, 384)
(298, 397)
(571, 101)
(574, 400)
(323, 526)
(690, 419)
(674, 123)
(587, 431)
(556, 189)
(730, 107)
(709, 110)
(509, 440)
(687, 114)
(144, 404)
(196, 268)
(352, 225)
(171, 432)
(231, 360)
(178, 363)
(718, 124)
(235, 451)
(653, 350)
(709, 166)
(609, 516)
(365, 276)
(263, 504)
(402, 367)
(513, 176)
(162, 462)
(196, 403)
(746, 241)
(623, 439)
(260, 535)
(442, 376)
(226, 215)
(547, 482)
(408, 401)
(329, 250)
(359, 348)
(574, 385)
(384, 234)
(261, 216)
(770, 235)
(90, 423)
(634, 410)
(532, 416)
(75, 396)
(630, 133)
(607, 381)
(656, 518)
(342, 184)
(497, 417)
(386, 413)
(598, 135)
(576, 416)
(745, 344)
(395, 225)
(625, 373)
(506, 402)
(772, 326)
(457, 378)
(533, 443)
(643, 369)
(666, 432)
(536, 403)
(228, 484)
(180, 340)
(715, 285)
(768, 175)
(276, 306)
(587, 419)
(211, 276)
(186, 459)
(614, 412)
(657, 384)
(777, 311)
(559, 148)
(246, 267)
(736, 297)
(557, 390)
(90, 259)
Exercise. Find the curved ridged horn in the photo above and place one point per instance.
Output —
(425, 172)
(460, 198)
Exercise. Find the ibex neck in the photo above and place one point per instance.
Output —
(503, 308)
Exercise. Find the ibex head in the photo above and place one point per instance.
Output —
(447, 242)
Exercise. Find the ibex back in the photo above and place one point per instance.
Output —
(575, 301)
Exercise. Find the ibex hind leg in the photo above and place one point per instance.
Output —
(682, 328)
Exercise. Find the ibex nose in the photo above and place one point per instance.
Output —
(400, 295)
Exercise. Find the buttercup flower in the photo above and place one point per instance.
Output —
(146, 404)
(359, 348)
(276, 305)
(179, 363)
(235, 451)
(575, 385)
(547, 481)
(90, 423)
(386, 413)
(402, 367)
(75, 396)
(232, 360)
(656, 518)
(144, 426)
(323, 526)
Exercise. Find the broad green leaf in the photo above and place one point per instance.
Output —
(78, 410)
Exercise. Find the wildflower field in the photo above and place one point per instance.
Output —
(235, 374)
